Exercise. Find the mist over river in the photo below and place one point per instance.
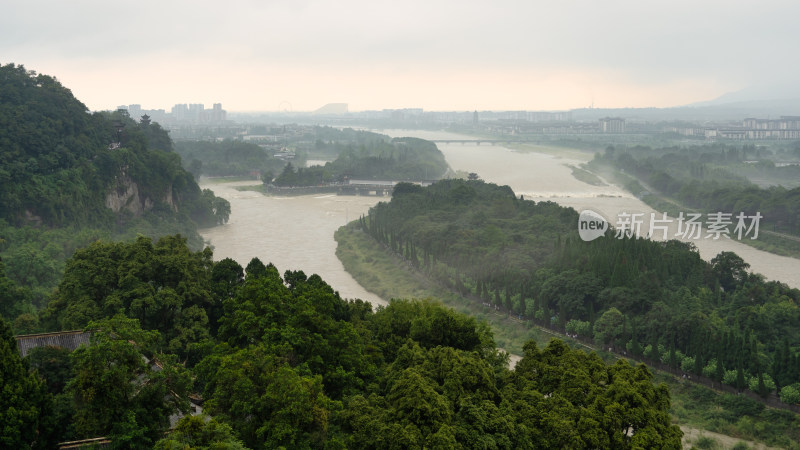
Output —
(296, 233)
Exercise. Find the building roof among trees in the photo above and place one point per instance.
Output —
(64, 339)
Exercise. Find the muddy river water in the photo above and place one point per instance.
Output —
(296, 233)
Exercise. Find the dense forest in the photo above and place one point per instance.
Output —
(351, 154)
(227, 158)
(284, 361)
(390, 159)
(327, 143)
(69, 177)
(658, 300)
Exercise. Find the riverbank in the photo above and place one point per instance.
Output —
(694, 406)
(768, 240)
(380, 272)
(293, 233)
(576, 158)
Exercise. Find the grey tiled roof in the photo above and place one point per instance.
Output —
(65, 339)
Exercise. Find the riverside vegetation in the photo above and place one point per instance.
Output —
(714, 178)
(694, 406)
(378, 159)
(351, 154)
(227, 158)
(713, 318)
(653, 299)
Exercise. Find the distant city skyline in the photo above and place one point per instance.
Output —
(180, 112)
(373, 55)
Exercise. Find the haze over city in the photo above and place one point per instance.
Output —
(446, 55)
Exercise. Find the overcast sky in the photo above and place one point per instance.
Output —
(437, 55)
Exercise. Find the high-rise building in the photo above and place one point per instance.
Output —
(135, 111)
(217, 113)
(196, 111)
(180, 112)
(612, 125)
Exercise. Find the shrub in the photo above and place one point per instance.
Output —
(791, 394)
(739, 405)
(706, 442)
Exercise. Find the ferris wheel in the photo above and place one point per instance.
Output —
(285, 107)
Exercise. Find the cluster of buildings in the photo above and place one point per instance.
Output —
(605, 125)
(195, 116)
(783, 128)
(419, 115)
(786, 127)
(181, 114)
(506, 122)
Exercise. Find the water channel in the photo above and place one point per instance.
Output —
(296, 233)
(542, 176)
(293, 233)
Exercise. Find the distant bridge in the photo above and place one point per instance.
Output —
(478, 141)
(378, 188)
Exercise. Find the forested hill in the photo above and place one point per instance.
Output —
(285, 362)
(61, 165)
(69, 177)
(382, 158)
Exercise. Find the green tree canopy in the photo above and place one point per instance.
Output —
(25, 404)
(122, 388)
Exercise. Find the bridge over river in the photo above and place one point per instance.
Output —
(379, 188)
(479, 141)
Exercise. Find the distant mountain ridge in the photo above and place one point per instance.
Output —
(764, 94)
(761, 101)
(734, 106)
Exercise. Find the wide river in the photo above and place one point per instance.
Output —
(297, 232)
(293, 233)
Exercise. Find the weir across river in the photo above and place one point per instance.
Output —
(375, 188)
(478, 141)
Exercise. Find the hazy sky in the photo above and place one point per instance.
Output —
(437, 55)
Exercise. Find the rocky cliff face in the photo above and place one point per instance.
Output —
(125, 196)
(168, 199)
